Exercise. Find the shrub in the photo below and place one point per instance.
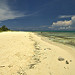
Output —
(4, 28)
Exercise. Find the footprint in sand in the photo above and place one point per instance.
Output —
(21, 72)
(2, 66)
(10, 66)
(47, 49)
(61, 59)
(67, 62)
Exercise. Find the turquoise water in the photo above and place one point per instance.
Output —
(61, 37)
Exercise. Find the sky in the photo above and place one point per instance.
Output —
(38, 14)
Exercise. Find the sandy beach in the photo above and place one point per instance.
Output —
(25, 53)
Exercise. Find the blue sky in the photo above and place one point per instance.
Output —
(38, 14)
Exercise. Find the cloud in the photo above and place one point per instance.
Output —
(66, 16)
(6, 13)
(64, 25)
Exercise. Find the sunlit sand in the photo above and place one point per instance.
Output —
(25, 53)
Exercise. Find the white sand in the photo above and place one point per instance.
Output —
(24, 53)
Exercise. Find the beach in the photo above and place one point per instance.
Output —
(26, 53)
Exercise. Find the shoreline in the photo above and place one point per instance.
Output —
(70, 48)
(61, 45)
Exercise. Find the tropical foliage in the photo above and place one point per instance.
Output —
(4, 28)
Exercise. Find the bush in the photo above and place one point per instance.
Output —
(4, 28)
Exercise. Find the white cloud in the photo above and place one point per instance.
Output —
(6, 13)
(67, 24)
(66, 16)
(62, 23)
(73, 19)
(68, 27)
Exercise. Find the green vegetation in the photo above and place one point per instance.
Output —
(61, 37)
(4, 28)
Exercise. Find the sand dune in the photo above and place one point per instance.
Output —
(25, 53)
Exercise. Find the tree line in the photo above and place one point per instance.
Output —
(4, 28)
